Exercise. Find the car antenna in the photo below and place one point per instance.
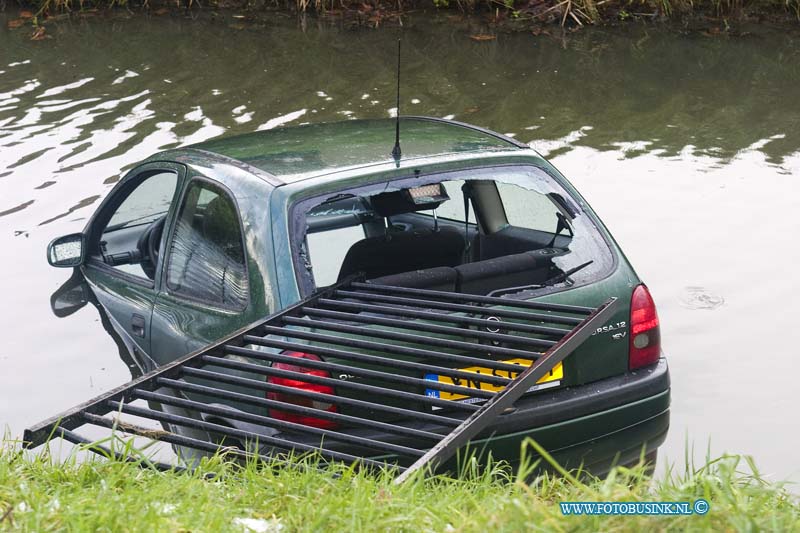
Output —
(396, 152)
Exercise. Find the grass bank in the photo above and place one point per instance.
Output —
(40, 494)
(511, 14)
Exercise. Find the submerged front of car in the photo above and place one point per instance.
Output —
(429, 237)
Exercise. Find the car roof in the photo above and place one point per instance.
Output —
(292, 154)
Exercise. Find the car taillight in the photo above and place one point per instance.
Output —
(301, 400)
(645, 335)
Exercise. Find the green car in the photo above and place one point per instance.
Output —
(198, 243)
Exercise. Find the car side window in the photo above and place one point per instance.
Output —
(206, 254)
(327, 250)
(131, 239)
(528, 209)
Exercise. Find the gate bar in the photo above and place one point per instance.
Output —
(329, 398)
(490, 300)
(473, 309)
(440, 317)
(478, 421)
(378, 360)
(294, 408)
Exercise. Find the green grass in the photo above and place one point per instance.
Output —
(38, 493)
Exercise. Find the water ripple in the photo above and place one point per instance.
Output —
(700, 298)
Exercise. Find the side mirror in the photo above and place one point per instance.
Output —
(71, 296)
(67, 251)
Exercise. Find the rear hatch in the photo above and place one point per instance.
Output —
(464, 236)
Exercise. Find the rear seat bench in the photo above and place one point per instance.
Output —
(481, 277)
(435, 279)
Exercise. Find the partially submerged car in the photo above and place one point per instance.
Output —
(468, 245)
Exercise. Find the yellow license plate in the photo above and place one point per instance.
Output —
(549, 380)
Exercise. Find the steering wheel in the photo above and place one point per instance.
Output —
(148, 244)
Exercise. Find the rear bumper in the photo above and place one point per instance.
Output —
(593, 399)
(595, 425)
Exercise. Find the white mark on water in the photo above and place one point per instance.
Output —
(244, 119)
(544, 147)
(125, 76)
(281, 120)
(196, 115)
(631, 146)
(28, 87)
(700, 298)
(63, 88)
(31, 117)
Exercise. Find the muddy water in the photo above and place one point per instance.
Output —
(687, 146)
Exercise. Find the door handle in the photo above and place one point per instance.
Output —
(137, 325)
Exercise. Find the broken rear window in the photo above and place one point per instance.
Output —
(508, 230)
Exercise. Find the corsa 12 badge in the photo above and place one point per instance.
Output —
(618, 330)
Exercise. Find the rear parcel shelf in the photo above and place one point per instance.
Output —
(399, 354)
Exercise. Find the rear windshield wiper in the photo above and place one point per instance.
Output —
(547, 283)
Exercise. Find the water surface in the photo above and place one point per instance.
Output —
(687, 146)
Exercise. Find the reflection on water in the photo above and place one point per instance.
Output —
(688, 147)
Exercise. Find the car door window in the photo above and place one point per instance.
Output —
(206, 254)
(528, 209)
(136, 226)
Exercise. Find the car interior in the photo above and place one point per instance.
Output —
(128, 232)
(209, 231)
(133, 247)
(452, 236)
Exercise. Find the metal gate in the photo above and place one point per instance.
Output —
(388, 376)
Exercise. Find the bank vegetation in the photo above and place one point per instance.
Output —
(41, 493)
(508, 13)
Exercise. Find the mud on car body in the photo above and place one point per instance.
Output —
(199, 242)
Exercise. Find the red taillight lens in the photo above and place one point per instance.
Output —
(301, 400)
(645, 343)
